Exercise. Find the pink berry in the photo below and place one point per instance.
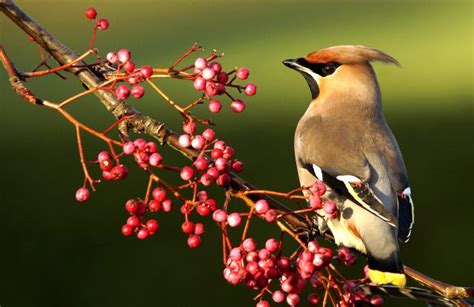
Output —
(238, 166)
(123, 55)
(222, 78)
(220, 88)
(318, 188)
(315, 202)
(205, 180)
(142, 234)
(188, 227)
(261, 206)
(146, 71)
(167, 205)
(112, 57)
(198, 142)
(127, 230)
(208, 73)
(213, 173)
(199, 84)
(82, 194)
(242, 73)
(263, 304)
(91, 13)
(199, 229)
(271, 216)
(234, 219)
(221, 164)
(313, 299)
(122, 92)
(154, 205)
(209, 135)
(189, 127)
(272, 245)
(129, 66)
(330, 207)
(140, 144)
(103, 24)
(278, 296)
(249, 245)
(219, 216)
(194, 241)
(128, 148)
(376, 300)
(223, 180)
(138, 91)
(211, 89)
(152, 226)
(228, 152)
(158, 194)
(220, 145)
(215, 106)
(133, 221)
(237, 106)
(200, 63)
(186, 173)
(119, 171)
(217, 67)
(155, 159)
(102, 156)
(184, 140)
(250, 89)
(201, 163)
(293, 299)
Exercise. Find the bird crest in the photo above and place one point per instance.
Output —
(349, 54)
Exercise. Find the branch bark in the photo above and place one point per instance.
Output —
(139, 123)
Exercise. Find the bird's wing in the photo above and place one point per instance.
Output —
(353, 186)
(399, 181)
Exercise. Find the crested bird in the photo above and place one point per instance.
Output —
(344, 141)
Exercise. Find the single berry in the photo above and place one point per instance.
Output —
(102, 156)
(215, 106)
(122, 92)
(133, 221)
(189, 127)
(184, 140)
(188, 227)
(219, 216)
(238, 166)
(271, 245)
(222, 78)
(242, 73)
(250, 89)
(263, 304)
(200, 63)
(249, 245)
(123, 55)
(237, 106)
(187, 173)
(201, 163)
(155, 159)
(198, 142)
(199, 84)
(217, 67)
(194, 241)
(209, 135)
(103, 24)
(146, 71)
(208, 73)
(154, 205)
(112, 57)
(293, 299)
(261, 206)
(91, 13)
(278, 296)
(129, 66)
(82, 194)
(128, 148)
(234, 219)
(223, 180)
(152, 226)
(271, 216)
(199, 229)
(158, 194)
(142, 234)
(127, 230)
(138, 91)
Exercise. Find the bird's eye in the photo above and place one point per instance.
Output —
(329, 69)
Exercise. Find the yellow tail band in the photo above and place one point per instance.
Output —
(383, 278)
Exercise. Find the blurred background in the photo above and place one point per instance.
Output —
(55, 252)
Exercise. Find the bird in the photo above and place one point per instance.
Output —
(344, 141)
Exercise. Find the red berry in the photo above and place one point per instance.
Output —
(129, 66)
(206, 180)
(112, 57)
(142, 234)
(91, 13)
(222, 78)
(318, 188)
(221, 164)
(315, 202)
(217, 67)
(201, 163)
(223, 180)
(133, 221)
(263, 304)
(159, 194)
(219, 216)
(234, 219)
(261, 206)
(278, 296)
(186, 173)
(146, 71)
(152, 226)
(211, 89)
(203, 210)
(154, 205)
(272, 245)
(103, 155)
(199, 229)
(119, 172)
(106, 165)
(122, 92)
(200, 63)
(271, 216)
(293, 299)
(215, 106)
(249, 245)
(330, 207)
(184, 140)
(189, 127)
(127, 230)
(103, 24)
(216, 153)
(242, 73)
(138, 91)
(199, 84)
(237, 106)
(213, 173)
(82, 194)
(140, 144)
(376, 300)
(198, 142)
(188, 227)
(131, 206)
(209, 135)
(238, 166)
(155, 159)
(228, 152)
(194, 241)
(250, 89)
(128, 148)
(123, 55)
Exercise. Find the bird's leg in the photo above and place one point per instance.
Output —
(447, 290)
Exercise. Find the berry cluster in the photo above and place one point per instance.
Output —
(145, 153)
(100, 24)
(212, 81)
(136, 223)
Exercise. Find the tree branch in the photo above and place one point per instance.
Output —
(139, 123)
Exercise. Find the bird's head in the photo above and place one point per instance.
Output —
(340, 68)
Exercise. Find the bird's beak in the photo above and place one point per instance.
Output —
(293, 64)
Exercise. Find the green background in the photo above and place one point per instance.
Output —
(55, 252)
